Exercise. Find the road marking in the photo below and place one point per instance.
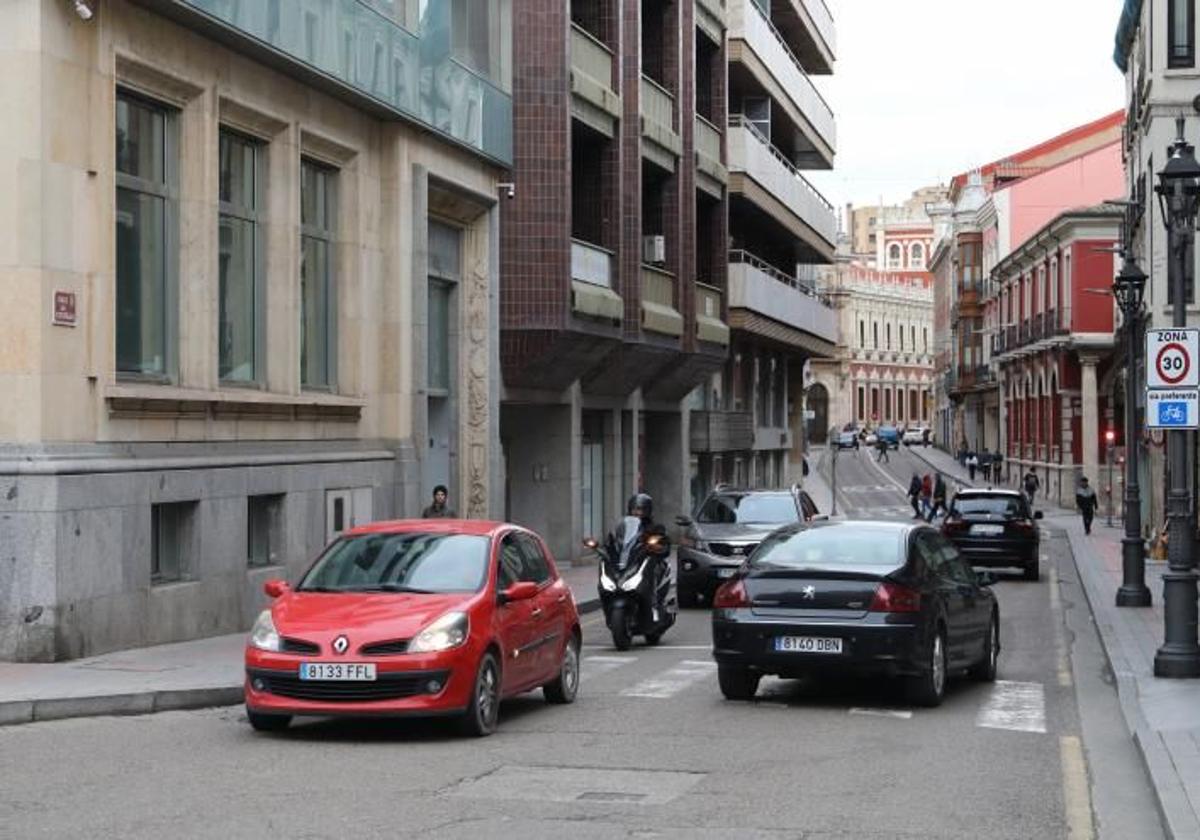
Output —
(1077, 799)
(1063, 665)
(671, 682)
(903, 490)
(903, 714)
(1018, 706)
(594, 666)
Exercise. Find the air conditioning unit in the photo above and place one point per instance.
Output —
(654, 249)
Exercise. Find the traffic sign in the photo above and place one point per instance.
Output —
(1173, 358)
(1178, 409)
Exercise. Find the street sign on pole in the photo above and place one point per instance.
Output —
(1173, 358)
(1177, 409)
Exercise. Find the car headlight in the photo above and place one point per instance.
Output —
(263, 635)
(606, 583)
(449, 631)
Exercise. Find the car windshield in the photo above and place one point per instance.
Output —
(1007, 506)
(408, 562)
(754, 508)
(824, 547)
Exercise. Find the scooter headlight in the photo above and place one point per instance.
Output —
(606, 583)
(633, 581)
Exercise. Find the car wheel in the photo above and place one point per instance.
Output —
(1032, 572)
(985, 669)
(620, 630)
(737, 683)
(268, 723)
(929, 687)
(566, 685)
(484, 709)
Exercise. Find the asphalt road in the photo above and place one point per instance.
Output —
(649, 750)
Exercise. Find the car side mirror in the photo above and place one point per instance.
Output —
(985, 578)
(520, 591)
(274, 588)
(1037, 514)
(683, 521)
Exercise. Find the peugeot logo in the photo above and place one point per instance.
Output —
(809, 593)
(340, 644)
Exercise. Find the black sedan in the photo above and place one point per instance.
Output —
(885, 598)
(995, 528)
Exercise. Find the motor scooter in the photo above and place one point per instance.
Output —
(635, 583)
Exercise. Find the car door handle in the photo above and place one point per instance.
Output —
(562, 599)
(536, 612)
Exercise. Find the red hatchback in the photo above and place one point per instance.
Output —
(421, 617)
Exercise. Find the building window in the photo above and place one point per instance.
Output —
(171, 534)
(264, 530)
(917, 259)
(482, 37)
(925, 338)
(894, 256)
(241, 310)
(862, 334)
(875, 330)
(147, 209)
(1181, 33)
(318, 290)
(914, 338)
(889, 336)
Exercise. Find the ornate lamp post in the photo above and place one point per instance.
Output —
(1179, 196)
(1128, 289)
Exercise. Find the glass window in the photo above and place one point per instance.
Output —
(170, 541)
(264, 530)
(145, 234)
(480, 37)
(1009, 507)
(536, 567)
(757, 508)
(1181, 35)
(240, 253)
(512, 563)
(411, 561)
(318, 291)
(439, 336)
(860, 545)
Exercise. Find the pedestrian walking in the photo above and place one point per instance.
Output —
(1031, 485)
(998, 467)
(914, 495)
(926, 495)
(972, 464)
(1085, 500)
(440, 509)
(882, 445)
(962, 454)
(985, 465)
(939, 497)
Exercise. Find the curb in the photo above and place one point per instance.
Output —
(16, 712)
(1177, 817)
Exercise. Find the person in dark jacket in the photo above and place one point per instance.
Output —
(939, 497)
(914, 495)
(926, 495)
(1085, 500)
(440, 509)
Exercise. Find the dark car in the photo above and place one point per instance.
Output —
(889, 434)
(995, 528)
(886, 598)
(728, 526)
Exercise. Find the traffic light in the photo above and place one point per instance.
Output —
(1110, 437)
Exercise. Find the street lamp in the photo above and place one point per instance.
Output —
(1179, 197)
(1128, 289)
(1110, 440)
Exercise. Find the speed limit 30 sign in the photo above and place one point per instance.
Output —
(1173, 358)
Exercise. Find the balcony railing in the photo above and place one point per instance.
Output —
(658, 302)
(1026, 331)
(823, 19)
(1039, 326)
(708, 139)
(591, 264)
(752, 153)
(752, 25)
(998, 343)
(658, 105)
(709, 325)
(721, 431)
(745, 257)
(757, 286)
(590, 56)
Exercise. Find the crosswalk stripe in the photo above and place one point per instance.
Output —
(903, 714)
(672, 681)
(1019, 706)
(594, 666)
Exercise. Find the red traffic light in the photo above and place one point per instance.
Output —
(1110, 436)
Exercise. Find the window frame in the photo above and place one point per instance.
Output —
(257, 217)
(1181, 60)
(169, 192)
(184, 524)
(328, 235)
(273, 508)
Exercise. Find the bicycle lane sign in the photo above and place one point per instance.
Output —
(1173, 409)
(1173, 358)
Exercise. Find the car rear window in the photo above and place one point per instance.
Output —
(752, 508)
(826, 547)
(1008, 506)
(407, 562)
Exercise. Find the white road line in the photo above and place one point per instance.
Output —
(903, 490)
(673, 681)
(594, 666)
(1076, 793)
(1060, 643)
(903, 714)
(1018, 706)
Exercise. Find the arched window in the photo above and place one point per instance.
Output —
(875, 329)
(925, 339)
(900, 329)
(894, 259)
(916, 259)
(862, 334)
(914, 337)
(889, 336)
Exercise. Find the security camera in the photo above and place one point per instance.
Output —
(510, 189)
(83, 9)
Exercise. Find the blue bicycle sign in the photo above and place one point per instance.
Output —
(1178, 408)
(1172, 414)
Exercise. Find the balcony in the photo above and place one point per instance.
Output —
(661, 142)
(658, 302)
(822, 23)
(777, 187)
(593, 100)
(710, 16)
(761, 289)
(721, 431)
(591, 283)
(756, 43)
(998, 343)
(709, 326)
(713, 176)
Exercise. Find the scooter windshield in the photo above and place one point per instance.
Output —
(630, 528)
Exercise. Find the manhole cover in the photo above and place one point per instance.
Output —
(579, 784)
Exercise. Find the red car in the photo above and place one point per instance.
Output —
(422, 617)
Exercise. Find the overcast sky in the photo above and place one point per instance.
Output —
(925, 89)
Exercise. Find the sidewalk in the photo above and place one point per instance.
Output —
(187, 675)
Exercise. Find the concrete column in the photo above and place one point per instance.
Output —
(1091, 420)
(615, 485)
(667, 458)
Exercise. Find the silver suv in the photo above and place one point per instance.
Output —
(727, 527)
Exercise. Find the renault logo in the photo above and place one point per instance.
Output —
(341, 644)
(809, 593)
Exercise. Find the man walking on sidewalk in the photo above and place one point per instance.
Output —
(972, 464)
(1031, 486)
(914, 495)
(939, 497)
(1085, 500)
(985, 465)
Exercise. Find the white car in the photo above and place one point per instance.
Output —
(916, 434)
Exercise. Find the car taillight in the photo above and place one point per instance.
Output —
(894, 598)
(1026, 527)
(954, 526)
(731, 595)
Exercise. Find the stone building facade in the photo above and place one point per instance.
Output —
(251, 295)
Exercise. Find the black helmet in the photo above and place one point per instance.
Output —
(643, 502)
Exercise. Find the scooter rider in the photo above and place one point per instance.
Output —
(642, 506)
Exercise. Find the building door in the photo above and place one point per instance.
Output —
(818, 404)
(591, 496)
(445, 270)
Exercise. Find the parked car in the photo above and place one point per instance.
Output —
(726, 529)
(871, 438)
(995, 528)
(847, 440)
(889, 434)
(916, 436)
(886, 598)
(415, 618)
